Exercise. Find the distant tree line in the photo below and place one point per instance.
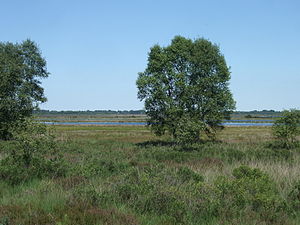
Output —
(87, 112)
(265, 111)
(259, 114)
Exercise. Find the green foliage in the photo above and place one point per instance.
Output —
(286, 129)
(157, 190)
(247, 172)
(165, 203)
(21, 66)
(185, 88)
(253, 190)
(187, 131)
(4, 221)
(100, 167)
(33, 154)
(294, 197)
(250, 194)
(115, 181)
(32, 140)
(187, 174)
(183, 195)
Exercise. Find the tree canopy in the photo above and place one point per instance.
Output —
(185, 89)
(21, 67)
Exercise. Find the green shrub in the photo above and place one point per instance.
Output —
(253, 190)
(248, 194)
(164, 203)
(186, 174)
(158, 190)
(246, 172)
(15, 171)
(100, 167)
(88, 194)
(294, 197)
(33, 155)
(286, 129)
(4, 221)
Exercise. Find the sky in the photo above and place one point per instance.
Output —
(95, 49)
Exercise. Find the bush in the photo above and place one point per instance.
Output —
(4, 221)
(165, 203)
(33, 155)
(100, 167)
(158, 190)
(253, 190)
(187, 174)
(249, 195)
(286, 129)
(294, 197)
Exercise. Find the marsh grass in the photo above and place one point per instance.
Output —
(125, 175)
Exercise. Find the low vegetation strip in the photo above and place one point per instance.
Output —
(127, 123)
(125, 175)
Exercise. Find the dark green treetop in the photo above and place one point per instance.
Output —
(21, 67)
(185, 89)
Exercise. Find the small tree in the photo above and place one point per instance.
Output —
(185, 89)
(21, 67)
(287, 128)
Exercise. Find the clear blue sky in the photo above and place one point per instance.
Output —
(94, 49)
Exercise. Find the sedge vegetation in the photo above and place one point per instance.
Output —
(126, 175)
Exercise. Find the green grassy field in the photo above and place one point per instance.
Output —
(126, 175)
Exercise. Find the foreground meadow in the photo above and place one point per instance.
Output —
(125, 175)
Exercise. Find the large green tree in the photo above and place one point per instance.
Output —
(21, 67)
(185, 89)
